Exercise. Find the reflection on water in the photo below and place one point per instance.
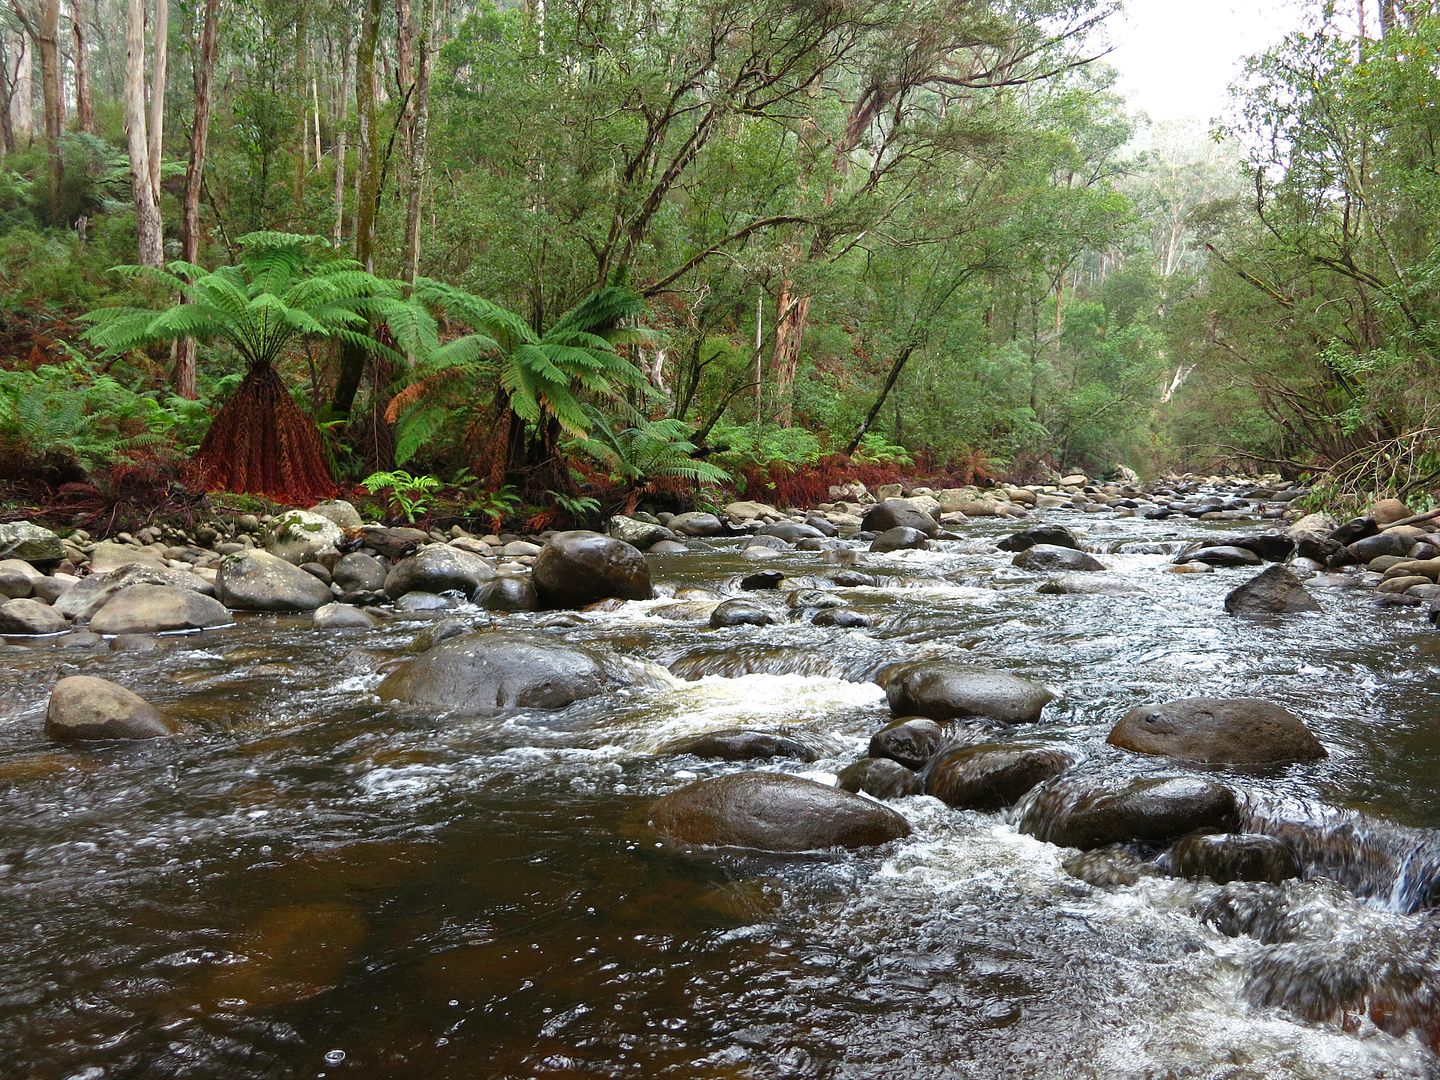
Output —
(312, 883)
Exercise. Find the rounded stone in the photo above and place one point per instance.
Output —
(260, 581)
(156, 609)
(1232, 857)
(23, 617)
(739, 745)
(1217, 730)
(991, 776)
(84, 708)
(951, 690)
(911, 740)
(880, 778)
(1150, 811)
(578, 567)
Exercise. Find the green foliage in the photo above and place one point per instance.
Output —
(737, 445)
(875, 449)
(646, 451)
(495, 505)
(406, 494)
(576, 506)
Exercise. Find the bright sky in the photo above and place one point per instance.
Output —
(1176, 57)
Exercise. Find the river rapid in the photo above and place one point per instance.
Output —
(310, 882)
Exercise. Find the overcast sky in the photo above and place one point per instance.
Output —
(1176, 57)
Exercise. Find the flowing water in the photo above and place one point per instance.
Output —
(312, 883)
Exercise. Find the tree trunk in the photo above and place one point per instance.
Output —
(80, 47)
(419, 137)
(156, 133)
(302, 147)
(895, 368)
(20, 74)
(50, 85)
(794, 311)
(204, 69)
(149, 234)
(342, 135)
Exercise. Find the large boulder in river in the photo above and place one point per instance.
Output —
(736, 744)
(438, 568)
(152, 609)
(1221, 555)
(30, 542)
(90, 594)
(479, 673)
(910, 740)
(698, 523)
(900, 538)
(641, 534)
(508, 594)
(1049, 535)
(1048, 559)
(578, 567)
(24, 617)
(298, 536)
(1273, 591)
(1220, 730)
(1149, 811)
(951, 689)
(1232, 857)
(881, 778)
(991, 776)
(898, 514)
(260, 581)
(86, 709)
(773, 812)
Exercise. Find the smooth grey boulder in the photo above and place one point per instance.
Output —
(479, 673)
(880, 778)
(18, 579)
(773, 812)
(1048, 535)
(1221, 555)
(1232, 857)
(298, 536)
(739, 745)
(1047, 559)
(86, 709)
(23, 617)
(1148, 811)
(578, 567)
(1218, 730)
(30, 543)
(508, 594)
(900, 538)
(90, 594)
(991, 776)
(259, 581)
(340, 512)
(898, 514)
(697, 523)
(740, 612)
(952, 689)
(1274, 591)
(343, 617)
(1393, 542)
(641, 534)
(358, 572)
(438, 568)
(790, 531)
(154, 609)
(910, 740)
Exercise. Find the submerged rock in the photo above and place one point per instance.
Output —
(1048, 535)
(881, 778)
(1218, 730)
(773, 812)
(260, 581)
(1089, 585)
(991, 776)
(153, 609)
(1044, 558)
(1273, 591)
(898, 514)
(578, 567)
(740, 745)
(86, 709)
(1150, 811)
(950, 689)
(912, 741)
(1233, 857)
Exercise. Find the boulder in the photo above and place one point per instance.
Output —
(509, 594)
(952, 689)
(740, 613)
(1312, 526)
(343, 617)
(1274, 591)
(1270, 546)
(991, 776)
(1391, 542)
(1049, 535)
(155, 609)
(1046, 559)
(773, 812)
(762, 580)
(90, 594)
(895, 514)
(109, 556)
(1232, 857)
(358, 572)
(697, 523)
(910, 740)
(668, 547)
(259, 581)
(1218, 730)
(640, 534)
(772, 543)
(1222, 555)
(739, 745)
(900, 538)
(843, 618)
(578, 567)
(86, 709)
(340, 512)
(1149, 811)
(791, 531)
(392, 541)
(23, 617)
(744, 510)
(438, 568)
(18, 579)
(30, 543)
(1388, 512)
(298, 536)
(1089, 585)
(879, 778)
(475, 674)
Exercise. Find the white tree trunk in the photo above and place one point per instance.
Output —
(21, 77)
(156, 132)
(149, 233)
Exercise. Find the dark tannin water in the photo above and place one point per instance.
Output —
(312, 883)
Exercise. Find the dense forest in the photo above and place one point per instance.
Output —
(570, 256)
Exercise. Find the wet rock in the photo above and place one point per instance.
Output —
(17, 579)
(1272, 546)
(30, 543)
(1089, 585)
(949, 690)
(509, 594)
(990, 776)
(340, 512)
(343, 617)
(1219, 730)
(740, 613)
(1150, 811)
(479, 673)
(392, 541)
(880, 778)
(791, 531)
(260, 581)
(155, 609)
(898, 514)
(1385, 543)
(697, 523)
(90, 594)
(423, 602)
(1274, 591)
(1107, 867)
(298, 536)
(358, 572)
(910, 740)
(1222, 555)
(853, 579)
(668, 547)
(1388, 511)
(762, 580)
(639, 534)
(1404, 584)
(1049, 535)
(24, 617)
(772, 543)
(773, 812)
(739, 745)
(820, 525)
(900, 538)
(439, 568)
(86, 709)
(1046, 559)
(578, 567)
(843, 618)
(1233, 857)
